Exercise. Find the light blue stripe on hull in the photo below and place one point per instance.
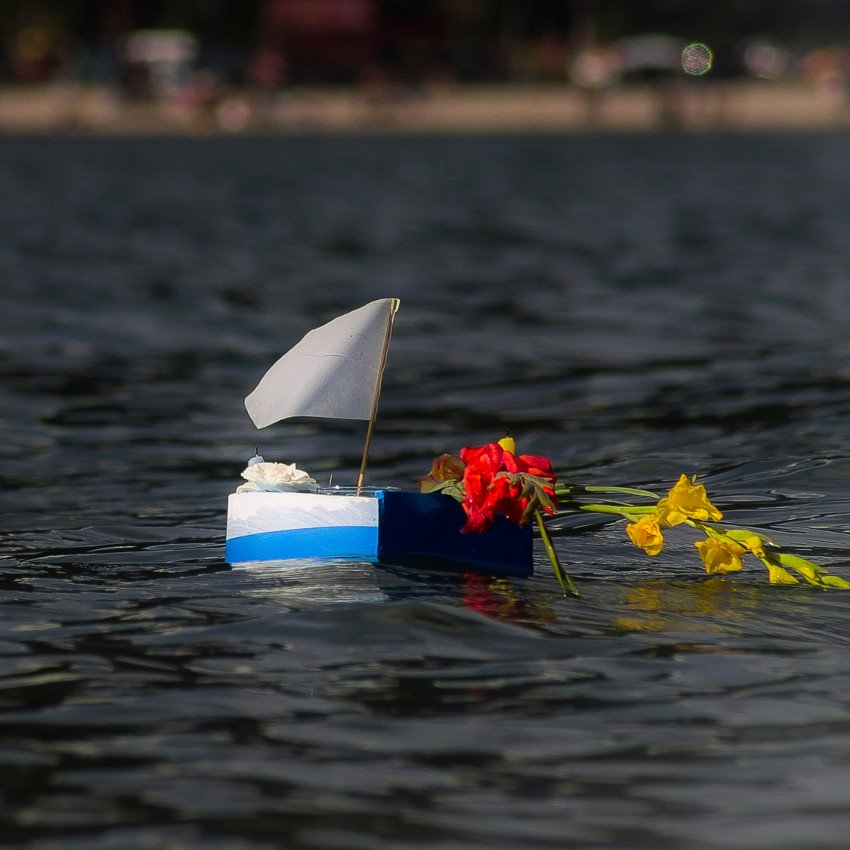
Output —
(325, 542)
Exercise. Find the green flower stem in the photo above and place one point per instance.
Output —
(626, 491)
(567, 584)
(628, 511)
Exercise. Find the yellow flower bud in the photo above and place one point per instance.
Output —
(755, 545)
(646, 534)
(779, 575)
(720, 556)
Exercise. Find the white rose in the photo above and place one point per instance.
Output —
(280, 477)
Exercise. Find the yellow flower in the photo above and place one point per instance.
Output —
(778, 575)
(646, 534)
(754, 544)
(687, 501)
(720, 556)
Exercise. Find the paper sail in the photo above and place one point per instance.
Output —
(333, 373)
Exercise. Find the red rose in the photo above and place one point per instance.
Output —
(495, 482)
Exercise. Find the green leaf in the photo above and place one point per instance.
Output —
(448, 488)
(546, 502)
(835, 581)
(808, 570)
(811, 572)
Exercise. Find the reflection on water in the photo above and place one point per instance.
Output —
(498, 597)
(711, 604)
(295, 585)
(634, 308)
(307, 585)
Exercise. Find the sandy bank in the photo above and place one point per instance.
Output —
(696, 107)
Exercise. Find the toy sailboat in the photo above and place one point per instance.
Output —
(281, 515)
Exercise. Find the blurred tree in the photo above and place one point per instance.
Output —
(468, 38)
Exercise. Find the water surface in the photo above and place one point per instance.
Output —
(633, 307)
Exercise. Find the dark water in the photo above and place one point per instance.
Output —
(632, 307)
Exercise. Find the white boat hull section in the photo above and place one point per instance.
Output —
(304, 525)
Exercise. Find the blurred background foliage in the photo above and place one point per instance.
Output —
(274, 42)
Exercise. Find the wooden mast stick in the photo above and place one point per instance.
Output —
(372, 416)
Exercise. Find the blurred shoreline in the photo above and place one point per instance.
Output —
(701, 106)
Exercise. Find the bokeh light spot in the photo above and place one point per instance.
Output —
(697, 59)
